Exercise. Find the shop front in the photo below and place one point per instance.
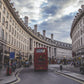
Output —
(79, 57)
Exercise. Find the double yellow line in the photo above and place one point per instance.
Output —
(18, 79)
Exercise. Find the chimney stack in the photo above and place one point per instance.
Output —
(44, 32)
(35, 28)
(51, 36)
(82, 6)
(26, 20)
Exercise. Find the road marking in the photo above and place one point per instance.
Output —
(69, 77)
(18, 79)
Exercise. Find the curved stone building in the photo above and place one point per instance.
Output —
(16, 36)
(77, 35)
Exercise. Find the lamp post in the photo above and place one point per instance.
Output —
(19, 59)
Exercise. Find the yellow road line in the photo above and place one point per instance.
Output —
(18, 79)
(70, 77)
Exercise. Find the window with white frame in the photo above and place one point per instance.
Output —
(0, 16)
(10, 18)
(9, 38)
(3, 20)
(7, 14)
(3, 34)
(4, 9)
(0, 4)
(6, 36)
(7, 24)
(10, 28)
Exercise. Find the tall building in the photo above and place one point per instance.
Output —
(16, 36)
(77, 35)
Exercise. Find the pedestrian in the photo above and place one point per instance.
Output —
(8, 70)
(74, 64)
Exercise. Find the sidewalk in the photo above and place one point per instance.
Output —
(72, 74)
(68, 70)
(66, 67)
(4, 79)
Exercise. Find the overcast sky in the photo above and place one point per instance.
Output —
(54, 16)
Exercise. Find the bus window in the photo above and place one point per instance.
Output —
(40, 50)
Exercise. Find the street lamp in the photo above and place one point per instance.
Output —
(19, 59)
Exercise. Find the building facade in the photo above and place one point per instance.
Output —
(77, 35)
(16, 36)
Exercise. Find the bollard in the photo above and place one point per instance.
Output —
(60, 67)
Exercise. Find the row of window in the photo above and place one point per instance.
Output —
(21, 35)
(14, 25)
(55, 42)
(78, 34)
(78, 30)
(18, 36)
(63, 44)
(78, 43)
(13, 41)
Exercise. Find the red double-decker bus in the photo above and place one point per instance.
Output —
(40, 59)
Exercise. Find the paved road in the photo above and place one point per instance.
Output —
(28, 76)
(66, 67)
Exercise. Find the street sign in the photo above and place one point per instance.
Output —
(12, 55)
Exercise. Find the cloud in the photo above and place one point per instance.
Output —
(55, 16)
(29, 8)
(60, 28)
(50, 10)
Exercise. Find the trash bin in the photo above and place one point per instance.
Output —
(61, 67)
(8, 71)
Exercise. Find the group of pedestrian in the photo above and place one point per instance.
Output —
(76, 64)
(11, 66)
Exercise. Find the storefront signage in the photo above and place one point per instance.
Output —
(12, 55)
